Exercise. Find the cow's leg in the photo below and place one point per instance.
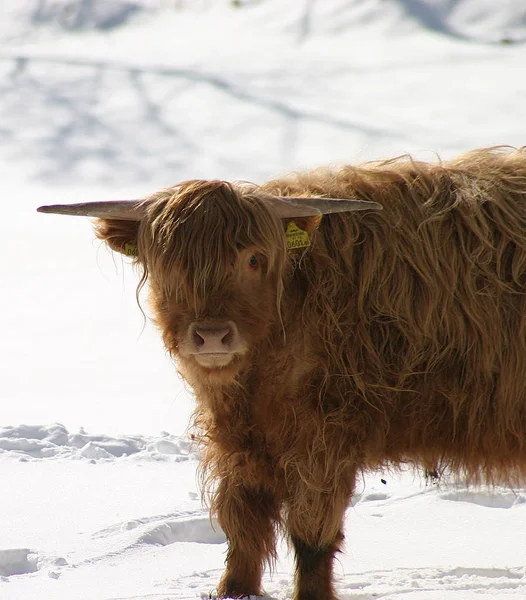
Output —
(314, 523)
(314, 568)
(248, 518)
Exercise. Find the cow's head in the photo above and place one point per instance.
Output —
(214, 255)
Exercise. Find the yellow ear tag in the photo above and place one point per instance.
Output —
(296, 237)
(130, 249)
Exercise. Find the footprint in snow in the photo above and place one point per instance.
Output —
(375, 497)
(19, 561)
(188, 529)
(167, 529)
(483, 498)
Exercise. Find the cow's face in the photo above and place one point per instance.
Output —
(213, 333)
(214, 260)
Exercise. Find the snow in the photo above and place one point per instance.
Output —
(107, 100)
(131, 525)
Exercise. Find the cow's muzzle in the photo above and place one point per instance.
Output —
(214, 344)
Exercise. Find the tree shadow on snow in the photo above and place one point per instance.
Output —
(102, 121)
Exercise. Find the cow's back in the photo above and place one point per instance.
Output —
(418, 312)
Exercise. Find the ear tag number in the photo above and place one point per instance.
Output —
(130, 249)
(296, 237)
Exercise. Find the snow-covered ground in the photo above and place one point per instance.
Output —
(87, 517)
(113, 99)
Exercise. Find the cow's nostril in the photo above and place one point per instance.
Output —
(226, 340)
(198, 339)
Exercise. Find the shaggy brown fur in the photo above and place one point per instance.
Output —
(397, 336)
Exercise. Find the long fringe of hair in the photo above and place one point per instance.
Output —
(192, 233)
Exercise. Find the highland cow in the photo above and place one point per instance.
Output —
(322, 343)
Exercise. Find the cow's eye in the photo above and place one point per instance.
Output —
(253, 262)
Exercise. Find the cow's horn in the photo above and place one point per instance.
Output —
(126, 210)
(304, 207)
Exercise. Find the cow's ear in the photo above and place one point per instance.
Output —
(308, 224)
(120, 236)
